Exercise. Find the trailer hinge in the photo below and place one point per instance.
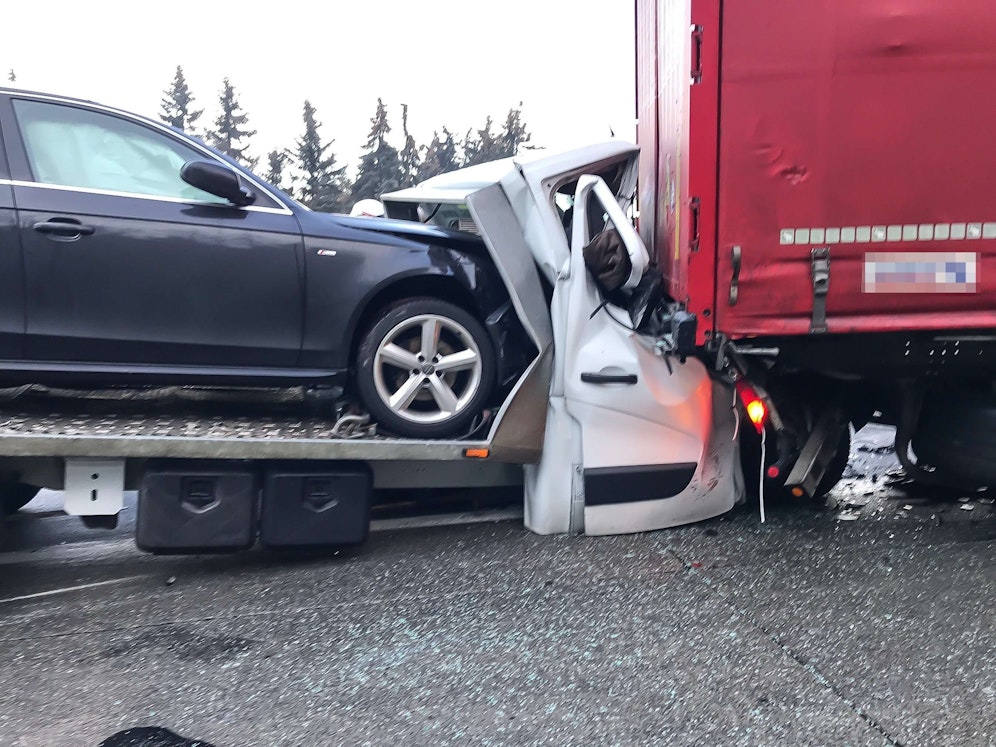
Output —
(695, 206)
(735, 257)
(821, 286)
(696, 72)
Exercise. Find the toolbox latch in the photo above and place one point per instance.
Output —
(821, 286)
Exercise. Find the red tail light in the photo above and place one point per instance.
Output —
(757, 411)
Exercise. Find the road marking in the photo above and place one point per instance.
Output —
(85, 550)
(123, 547)
(68, 589)
(442, 520)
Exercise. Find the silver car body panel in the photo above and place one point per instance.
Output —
(671, 414)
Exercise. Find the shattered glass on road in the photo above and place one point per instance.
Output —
(805, 630)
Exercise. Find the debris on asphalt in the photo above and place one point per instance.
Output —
(847, 515)
(986, 501)
(869, 449)
(967, 507)
(964, 500)
(907, 507)
(171, 580)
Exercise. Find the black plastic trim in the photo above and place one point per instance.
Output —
(600, 378)
(604, 486)
(137, 373)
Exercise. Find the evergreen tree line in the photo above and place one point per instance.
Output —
(310, 171)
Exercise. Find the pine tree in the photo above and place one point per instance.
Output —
(514, 134)
(11, 76)
(324, 186)
(482, 146)
(228, 135)
(440, 156)
(277, 162)
(409, 154)
(177, 102)
(380, 167)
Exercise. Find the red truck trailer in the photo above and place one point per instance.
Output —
(817, 185)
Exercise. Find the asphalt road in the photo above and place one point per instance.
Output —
(867, 621)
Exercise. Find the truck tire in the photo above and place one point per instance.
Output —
(957, 436)
(15, 495)
(425, 369)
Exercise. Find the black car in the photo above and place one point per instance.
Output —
(131, 253)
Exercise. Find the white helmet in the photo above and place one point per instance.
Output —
(368, 208)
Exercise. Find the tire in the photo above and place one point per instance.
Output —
(957, 435)
(399, 374)
(16, 495)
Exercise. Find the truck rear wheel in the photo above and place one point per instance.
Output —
(957, 436)
(16, 495)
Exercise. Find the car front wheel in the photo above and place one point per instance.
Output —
(425, 369)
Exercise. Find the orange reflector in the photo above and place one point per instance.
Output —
(773, 471)
(797, 491)
(477, 453)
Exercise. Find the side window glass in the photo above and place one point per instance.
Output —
(81, 148)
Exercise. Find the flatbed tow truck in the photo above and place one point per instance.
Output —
(95, 445)
(612, 433)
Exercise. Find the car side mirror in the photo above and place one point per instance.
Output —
(218, 180)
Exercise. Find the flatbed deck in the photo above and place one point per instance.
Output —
(179, 423)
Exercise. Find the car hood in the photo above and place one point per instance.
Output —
(528, 182)
(386, 230)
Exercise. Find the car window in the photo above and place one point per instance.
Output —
(76, 147)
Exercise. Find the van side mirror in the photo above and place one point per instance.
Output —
(218, 180)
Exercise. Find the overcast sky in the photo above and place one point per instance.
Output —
(453, 62)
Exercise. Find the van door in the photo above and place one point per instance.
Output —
(651, 438)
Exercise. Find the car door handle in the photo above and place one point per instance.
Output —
(64, 228)
(599, 378)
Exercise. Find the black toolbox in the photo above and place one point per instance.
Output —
(315, 504)
(197, 506)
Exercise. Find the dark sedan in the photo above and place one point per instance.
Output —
(130, 253)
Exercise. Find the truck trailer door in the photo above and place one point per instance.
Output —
(649, 438)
